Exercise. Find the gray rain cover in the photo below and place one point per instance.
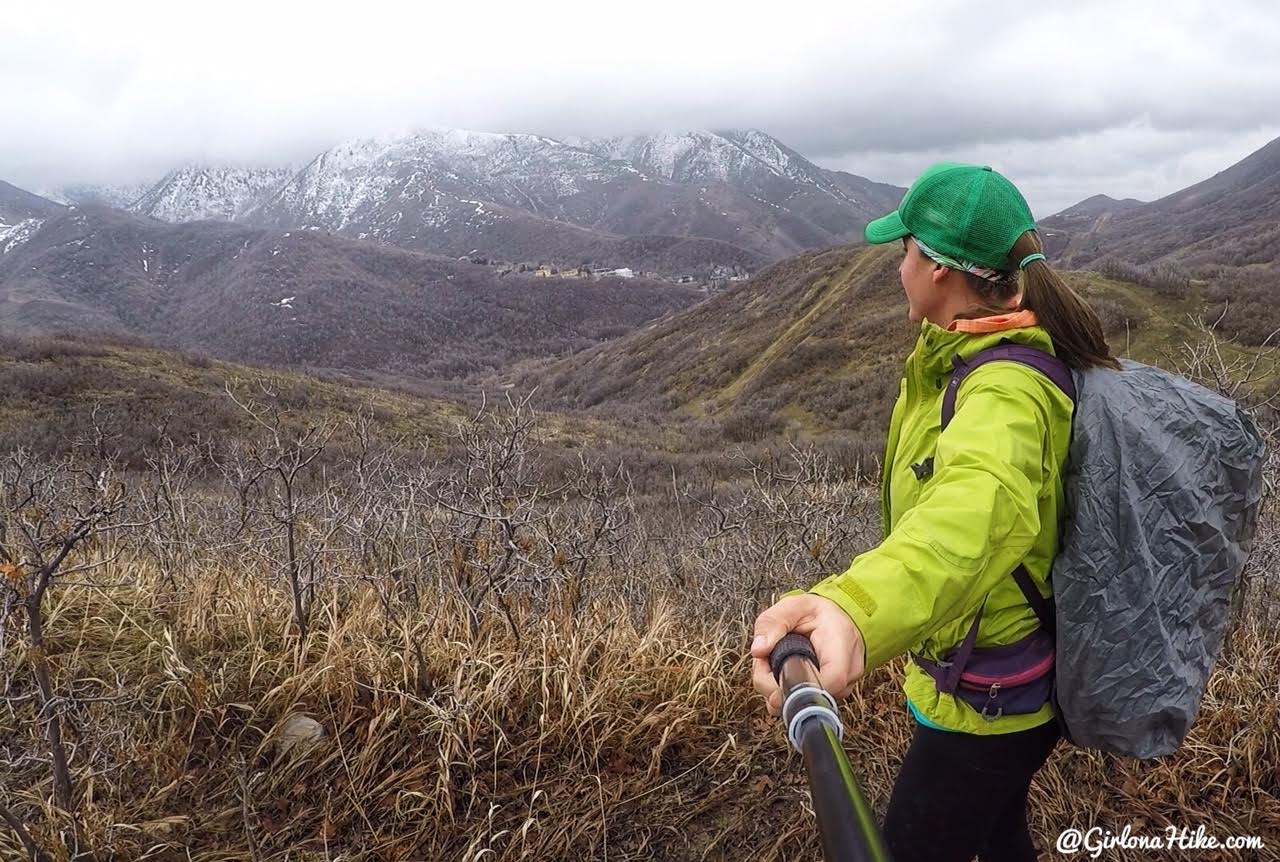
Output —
(1162, 491)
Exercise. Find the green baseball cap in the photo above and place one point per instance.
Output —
(969, 212)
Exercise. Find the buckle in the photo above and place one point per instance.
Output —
(991, 696)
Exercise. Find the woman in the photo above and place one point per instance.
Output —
(963, 508)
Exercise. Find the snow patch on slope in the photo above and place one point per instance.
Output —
(14, 235)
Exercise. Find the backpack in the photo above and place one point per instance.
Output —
(1162, 488)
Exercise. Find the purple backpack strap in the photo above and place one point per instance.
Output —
(962, 655)
(1048, 365)
(1058, 372)
(947, 676)
(1042, 606)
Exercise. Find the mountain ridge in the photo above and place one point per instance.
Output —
(1230, 219)
(747, 196)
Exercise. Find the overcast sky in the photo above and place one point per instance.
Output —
(1131, 99)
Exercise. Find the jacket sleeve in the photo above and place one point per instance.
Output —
(973, 524)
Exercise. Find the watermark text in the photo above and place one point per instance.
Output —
(1096, 841)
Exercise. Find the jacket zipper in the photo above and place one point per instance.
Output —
(895, 432)
(911, 389)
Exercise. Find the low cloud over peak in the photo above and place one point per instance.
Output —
(1134, 100)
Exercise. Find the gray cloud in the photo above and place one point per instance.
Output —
(1126, 99)
(1131, 161)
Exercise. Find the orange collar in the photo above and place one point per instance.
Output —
(1013, 320)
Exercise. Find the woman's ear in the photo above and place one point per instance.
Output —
(940, 272)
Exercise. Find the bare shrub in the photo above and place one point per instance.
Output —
(750, 425)
(474, 638)
(54, 518)
(1166, 279)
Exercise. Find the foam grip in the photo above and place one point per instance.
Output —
(792, 644)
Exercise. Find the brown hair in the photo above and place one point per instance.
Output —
(1076, 331)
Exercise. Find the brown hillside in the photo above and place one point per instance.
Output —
(306, 298)
(813, 345)
(825, 318)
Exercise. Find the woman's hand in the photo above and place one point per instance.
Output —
(835, 639)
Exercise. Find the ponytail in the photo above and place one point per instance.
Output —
(1076, 331)
(1074, 327)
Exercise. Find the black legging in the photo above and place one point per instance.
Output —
(960, 795)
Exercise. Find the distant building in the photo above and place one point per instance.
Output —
(623, 272)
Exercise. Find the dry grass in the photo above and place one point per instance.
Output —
(629, 735)
(622, 737)
(503, 663)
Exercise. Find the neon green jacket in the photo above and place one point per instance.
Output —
(953, 537)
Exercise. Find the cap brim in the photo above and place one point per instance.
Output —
(886, 229)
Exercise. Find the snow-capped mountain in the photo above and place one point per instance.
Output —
(396, 188)
(743, 195)
(199, 193)
(749, 160)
